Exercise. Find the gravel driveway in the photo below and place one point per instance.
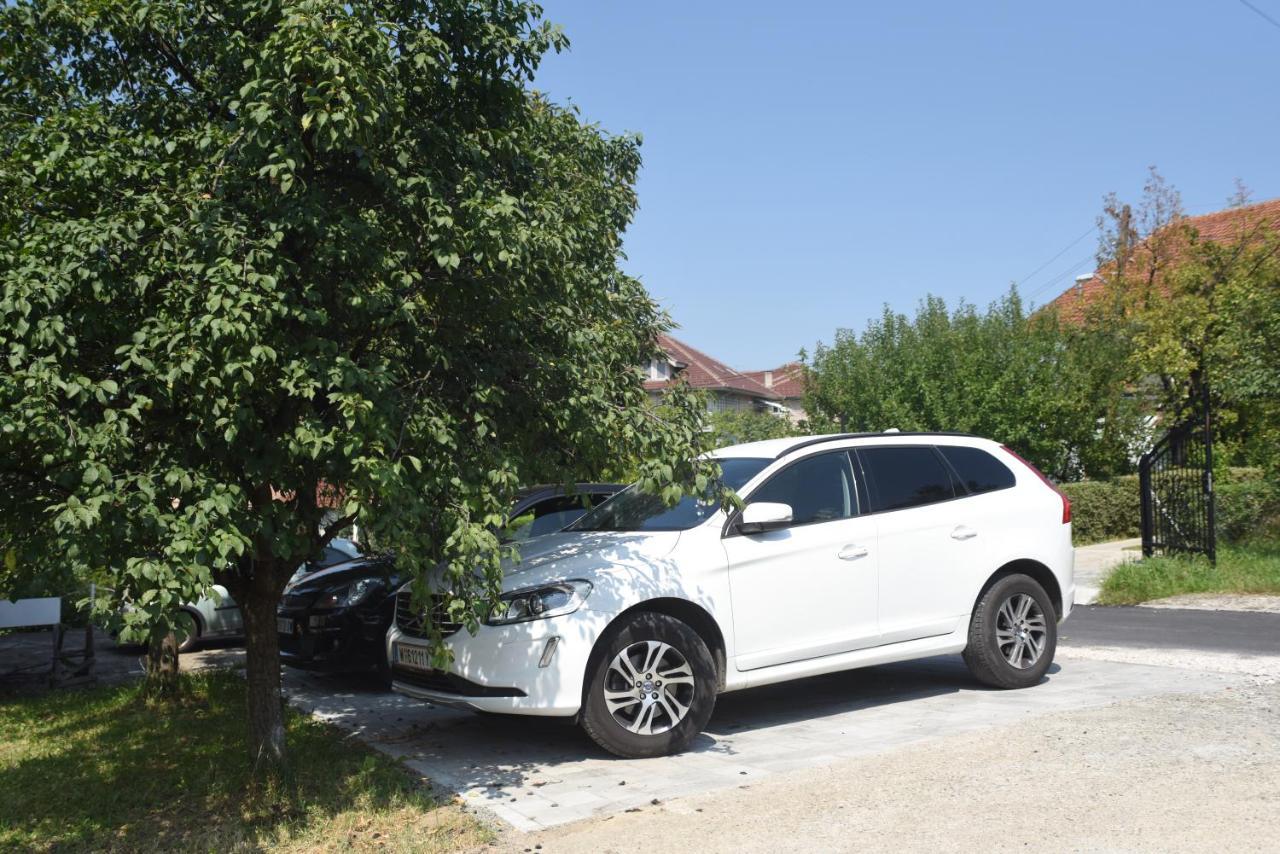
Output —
(1188, 772)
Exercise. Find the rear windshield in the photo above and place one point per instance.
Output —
(633, 510)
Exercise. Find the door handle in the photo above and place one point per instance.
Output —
(853, 552)
(963, 532)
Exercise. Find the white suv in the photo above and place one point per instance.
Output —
(851, 550)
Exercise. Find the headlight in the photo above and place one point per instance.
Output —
(345, 597)
(536, 603)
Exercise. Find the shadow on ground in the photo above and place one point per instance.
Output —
(464, 751)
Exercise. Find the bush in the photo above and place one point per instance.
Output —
(1247, 509)
(1248, 506)
(1104, 510)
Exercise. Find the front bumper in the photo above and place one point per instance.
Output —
(506, 669)
(346, 641)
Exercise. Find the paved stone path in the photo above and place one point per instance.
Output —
(533, 773)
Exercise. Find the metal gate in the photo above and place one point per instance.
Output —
(1176, 480)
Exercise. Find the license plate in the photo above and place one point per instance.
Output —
(413, 656)
(284, 625)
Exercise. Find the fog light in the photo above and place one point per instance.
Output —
(549, 652)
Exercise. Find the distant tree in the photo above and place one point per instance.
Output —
(997, 373)
(732, 428)
(1200, 313)
(255, 251)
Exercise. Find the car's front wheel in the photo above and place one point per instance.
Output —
(1013, 634)
(652, 689)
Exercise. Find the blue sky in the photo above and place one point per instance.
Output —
(806, 163)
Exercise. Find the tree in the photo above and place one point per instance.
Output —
(261, 259)
(730, 427)
(1201, 312)
(997, 373)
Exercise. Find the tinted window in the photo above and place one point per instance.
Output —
(818, 489)
(547, 516)
(903, 477)
(331, 556)
(633, 510)
(978, 470)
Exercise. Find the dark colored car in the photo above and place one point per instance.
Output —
(337, 619)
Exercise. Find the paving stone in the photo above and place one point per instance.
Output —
(557, 775)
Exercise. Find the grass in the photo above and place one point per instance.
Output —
(1245, 568)
(106, 770)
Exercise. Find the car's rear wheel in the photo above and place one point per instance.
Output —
(1013, 634)
(187, 631)
(652, 689)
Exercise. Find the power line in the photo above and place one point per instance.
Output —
(1074, 268)
(1064, 250)
(1270, 20)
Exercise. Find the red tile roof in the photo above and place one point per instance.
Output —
(702, 371)
(788, 380)
(1230, 224)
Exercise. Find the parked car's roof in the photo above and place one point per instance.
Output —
(774, 448)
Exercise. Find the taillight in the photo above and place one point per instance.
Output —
(1066, 502)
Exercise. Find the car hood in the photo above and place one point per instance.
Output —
(579, 554)
(342, 573)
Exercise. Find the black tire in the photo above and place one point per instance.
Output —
(190, 639)
(612, 735)
(988, 663)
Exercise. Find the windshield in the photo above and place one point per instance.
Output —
(633, 510)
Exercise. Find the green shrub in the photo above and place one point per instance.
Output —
(1104, 510)
(1247, 509)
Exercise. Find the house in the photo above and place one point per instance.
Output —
(1158, 250)
(787, 382)
(728, 390)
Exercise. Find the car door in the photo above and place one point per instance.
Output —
(807, 590)
(221, 613)
(930, 548)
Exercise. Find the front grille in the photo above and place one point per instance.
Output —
(417, 623)
(296, 601)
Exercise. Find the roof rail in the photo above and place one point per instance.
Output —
(836, 437)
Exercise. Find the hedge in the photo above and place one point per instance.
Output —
(1104, 510)
(1101, 510)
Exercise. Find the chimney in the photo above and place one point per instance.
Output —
(1080, 280)
(768, 379)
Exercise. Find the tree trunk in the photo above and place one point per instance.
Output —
(162, 665)
(262, 647)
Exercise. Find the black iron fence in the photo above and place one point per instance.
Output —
(1176, 480)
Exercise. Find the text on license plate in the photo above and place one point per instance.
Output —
(413, 656)
(284, 625)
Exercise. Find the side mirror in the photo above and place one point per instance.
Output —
(764, 516)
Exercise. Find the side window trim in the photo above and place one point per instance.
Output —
(958, 489)
(858, 507)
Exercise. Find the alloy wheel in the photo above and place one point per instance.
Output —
(1021, 631)
(649, 687)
